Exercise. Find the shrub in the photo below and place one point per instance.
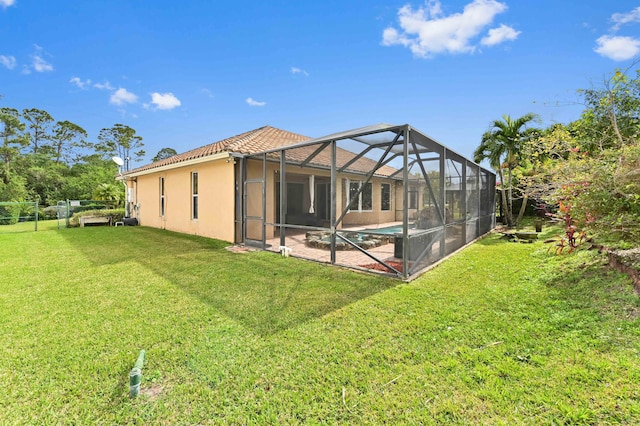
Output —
(604, 193)
(27, 212)
(9, 214)
(116, 215)
(51, 212)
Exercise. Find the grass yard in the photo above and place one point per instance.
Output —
(501, 333)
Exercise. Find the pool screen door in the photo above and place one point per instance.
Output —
(255, 207)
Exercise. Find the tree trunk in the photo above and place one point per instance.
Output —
(504, 198)
(7, 158)
(523, 207)
(614, 121)
(504, 206)
(58, 152)
(509, 202)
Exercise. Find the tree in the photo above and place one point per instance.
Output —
(66, 136)
(501, 146)
(13, 189)
(164, 153)
(536, 176)
(593, 176)
(39, 127)
(85, 175)
(13, 140)
(122, 141)
(601, 193)
(110, 192)
(612, 115)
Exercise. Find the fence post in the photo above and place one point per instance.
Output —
(36, 205)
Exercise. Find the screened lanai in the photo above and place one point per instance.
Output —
(381, 198)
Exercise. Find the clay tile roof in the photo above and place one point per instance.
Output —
(264, 139)
(362, 165)
(250, 142)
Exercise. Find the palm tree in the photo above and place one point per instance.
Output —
(108, 192)
(501, 146)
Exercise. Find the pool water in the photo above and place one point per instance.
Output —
(389, 230)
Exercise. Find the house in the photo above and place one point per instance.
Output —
(196, 192)
(273, 188)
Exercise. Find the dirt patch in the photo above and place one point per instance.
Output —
(239, 249)
(152, 391)
(382, 268)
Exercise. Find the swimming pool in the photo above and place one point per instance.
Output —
(387, 230)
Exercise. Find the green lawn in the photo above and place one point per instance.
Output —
(501, 333)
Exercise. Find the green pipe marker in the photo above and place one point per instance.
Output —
(135, 376)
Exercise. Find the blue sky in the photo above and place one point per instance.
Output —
(188, 73)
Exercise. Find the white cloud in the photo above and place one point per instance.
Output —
(428, 32)
(81, 84)
(252, 102)
(165, 100)
(625, 18)
(295, 70)
(207, 92)
(618, 48)
(8, 61)
(7, 3)
(123, 96)
(40, 65)
(499, 35)
(104, 86)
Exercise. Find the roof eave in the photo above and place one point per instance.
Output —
(213, 157)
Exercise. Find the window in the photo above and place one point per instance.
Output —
(385, 197)
(413, 198)
(194, 195)
(364, 200)
(162, 196)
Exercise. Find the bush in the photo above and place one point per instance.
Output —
(603, 193)
(51, 212)
(116, 215)
(28, 212)
(9, 214)
(87, 207)
(11, 191)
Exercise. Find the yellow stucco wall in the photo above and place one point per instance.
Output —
(216, 194)
(376, 215)
(216, 199)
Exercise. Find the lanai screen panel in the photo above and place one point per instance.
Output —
(304, 209)
(369, 198)
(472, 202)
(487, 201)
(254, 200)
(383, 198)
(454, 203)
(425, 207)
